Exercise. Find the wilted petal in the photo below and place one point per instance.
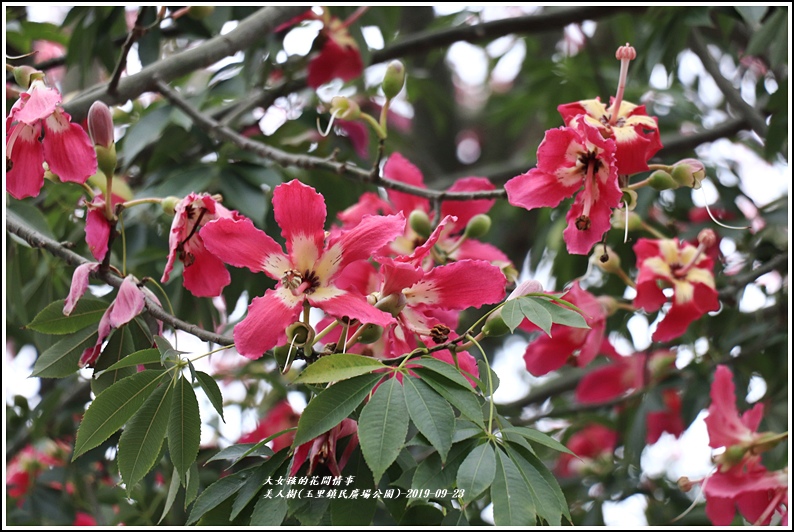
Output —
(79, 285)
(97, 230)
(206, 276)
(128, 304)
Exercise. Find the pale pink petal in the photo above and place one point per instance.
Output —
(466, 210)
(39, 103)
(91, 354)
(459, 285)
(97, 231)
(300, 212)
(265, 324)
(354, 307)
(25, 155)
(68, 150)
(79, 285)
(398, 168)
(206, 276)
(239, 243)
(538, 189)
(128, 304)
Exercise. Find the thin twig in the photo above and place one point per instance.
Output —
(18, 227)
(135, 33)
(217, 130)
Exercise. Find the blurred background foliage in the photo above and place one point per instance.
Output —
(484, 122)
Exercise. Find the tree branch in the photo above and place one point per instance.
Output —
(557, 20)
(246, 33)
(219, 131)
(750, 113)
(17, 226)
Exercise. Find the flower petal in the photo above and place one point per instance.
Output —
(300, 212)
(239, 243)
(360, 242)
(206, 276)
(265, 325)
(38, 103)
(97, 231)
(459, 285)
(67, 149)
(79, 285)
(724, 425)
(128, 304)
(354, 307)
(25, 155)
(466, 210)
(398, 168)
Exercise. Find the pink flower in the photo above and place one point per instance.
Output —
(97, 226)
(204, 274)
(591, 444)
(725, 427)
(757, 493)
(687, 270)
(280, 417)
(65, 147)
(635, 133)
(322, 449)
(83, 519)
(307, 274)
(548, 353)
(568, 158)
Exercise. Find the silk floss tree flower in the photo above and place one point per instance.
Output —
(573, 161)
(685, 268)
(307, 273)
(64, 146)
(205, 274)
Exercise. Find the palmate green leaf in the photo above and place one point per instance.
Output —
(533, 310)
(330, 407)
(217, 492)
(212, 390)
(167, 351)
(512, 501)
(538, 437)
(51, 319)
(241, 450)
(431, 414)
(432, 475)
(140, 443)
(62, 359)
(563, 314)
(477, 472)
(444, 369)
(464, 399)
(120, 344)
(113, 408)
(145, 356)
(338, 367)
(551, 500)
(383, 426)
(184, 427)
(173, 489)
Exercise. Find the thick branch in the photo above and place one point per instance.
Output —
(18, 227)
(215, 129)
(554, 21)
(244, 35)
(750, 113)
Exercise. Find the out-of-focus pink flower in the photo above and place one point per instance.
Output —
(26, 466)
(548, 353)
(281, 417)
(65, 146)
(667, 420)
(309, 270)
(591, 444)
(687, 270)
(757, 493)
(84, 519)
(725, 426)
(568, 158)
(322, 449)
(204, 274)
(635, 133)
(46, 50)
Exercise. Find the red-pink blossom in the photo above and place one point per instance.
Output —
(97, 226)
(548, 353)
(757, 493)
(322, 449)
(725, 426)
(687, 270)
(281, 417)
(307, 273)
(635, 133)
(667, 420)
(590, 444)
(204, 274)
(83, 519)
(570, 159)
(65, 146)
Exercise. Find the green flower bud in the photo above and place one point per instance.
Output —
(419, 221)
(689, 173)
(345, 108)
(393, 304)
(23, 75)
(661, 180)
(478, 226)
(394, 79)
(169, 204)
(732, 456)
(605, 258)
(619, 220)
(370, 334)
(106, 159)
(495, 325)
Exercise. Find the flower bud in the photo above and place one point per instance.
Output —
(707, 238)
(100, 124)
(605, 258)
(371, 333)
(626, 52)
(478, 226)
(661, 180)
(685, 485)
(419, 221)
(394, 79)
(23, 74)
(106, 159)
(495, 325)
(344, 108)
(169, 204)
(689, 173)
(393, 304)
(300, 334)
(732, 456)
(619, 220)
